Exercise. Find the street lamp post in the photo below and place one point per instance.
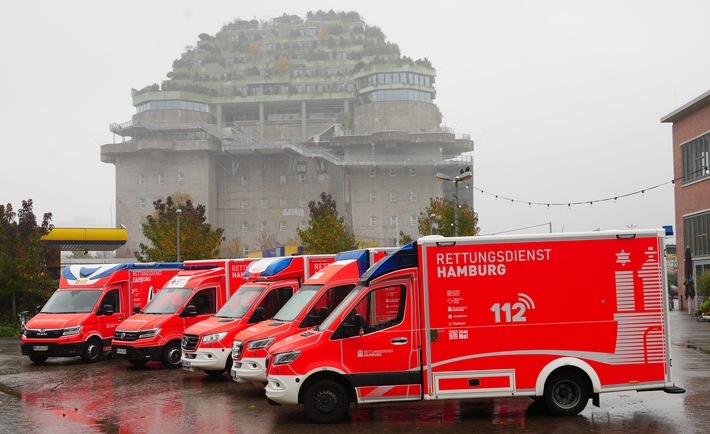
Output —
(463, 176)
(177, 214)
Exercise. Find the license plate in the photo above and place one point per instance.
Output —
(40, 348)
(120, 351)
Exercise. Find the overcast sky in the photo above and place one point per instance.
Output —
(562, 98)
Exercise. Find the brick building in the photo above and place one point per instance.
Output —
(259, 119)
(691, 161)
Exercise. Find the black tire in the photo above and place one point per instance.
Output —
(566, 393)
(172, 355)
(138, 362)
(39, 359)
(326, 401)
(93, 351)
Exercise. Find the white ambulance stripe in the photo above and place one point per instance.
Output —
(380, 391)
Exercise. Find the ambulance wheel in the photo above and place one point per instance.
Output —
(38, 359)
(92, 351)
(326, 401)
(566, 393)
(172, 355)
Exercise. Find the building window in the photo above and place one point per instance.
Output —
(264, 179)
(161, 178)
(245, 203)
(302, 203)
(321, 178)
(245, 226)
(412, 196)
(695, 156)
(302, 225)
(393, 196)
(413, 220)
(394, 221)
(301, 178)
(373, 172)
(393, 172)
(412, 171)
(373, 220)
(283, 203)
(301, 167)
(141, 179)
(264, 203)
(696, 232)
(180, 177)
(373, 196)
(245, 181)
(282, 179)
(142, 203)
(264, 226)
(282, 226)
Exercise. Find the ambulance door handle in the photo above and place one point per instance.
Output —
(399, 341)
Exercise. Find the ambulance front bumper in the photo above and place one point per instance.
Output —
(247, 369)
(214, 359)
(283, 388)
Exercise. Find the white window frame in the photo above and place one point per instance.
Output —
(393, 172)
(245, 203)
(373, 220)
(393, 196)
(264, 203)
(245, 226)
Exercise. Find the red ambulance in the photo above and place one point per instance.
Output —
(560, 318)
(192, 295)
(318, 296)
(207, 344)
(79, 319)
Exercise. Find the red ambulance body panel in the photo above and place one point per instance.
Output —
(192, 295)
(318, 296)
(207, 344)
(564, 317)
(81, 316)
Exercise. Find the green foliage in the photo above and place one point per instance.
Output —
(672, 278)
(197, 239)
(404, 238)
(703, 286)
(326, 232)
(24, 278)
(704, 307)
(444, 212)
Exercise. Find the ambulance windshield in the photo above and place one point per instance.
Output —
(167, 301)
(76, 301)
(297, 303)
(239, 303)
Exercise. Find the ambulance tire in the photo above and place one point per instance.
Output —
(38, 359)
(566, 393)
(93, 350)
(172, 355)
(326, 401)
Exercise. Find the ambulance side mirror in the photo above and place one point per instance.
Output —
(106, 309)
(257, 316)
(359, 324)
(190, 311)
(136, 309)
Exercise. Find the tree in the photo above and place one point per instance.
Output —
(266, 241)
(404, 238)
(326, 232)
(24, 277)
(444, 216)
(234, 248)
(197, 239)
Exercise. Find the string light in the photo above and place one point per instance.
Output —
(590, 202)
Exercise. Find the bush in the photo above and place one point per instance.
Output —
(703, 286)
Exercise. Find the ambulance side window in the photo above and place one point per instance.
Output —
(111, 298)
(326, 304)
(205, 301)
(379, 309)
(271, 304)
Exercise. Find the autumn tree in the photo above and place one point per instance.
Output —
(440, 217)
(24, 278)
(197, 239)
(326, 232)
(234, 248)
(266, 241)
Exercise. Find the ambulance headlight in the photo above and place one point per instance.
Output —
(260, 344)
(237, 349)
(214, 337)
(284, 358)
(150, 333)
(69, 331)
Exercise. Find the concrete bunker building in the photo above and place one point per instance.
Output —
(259, 119)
